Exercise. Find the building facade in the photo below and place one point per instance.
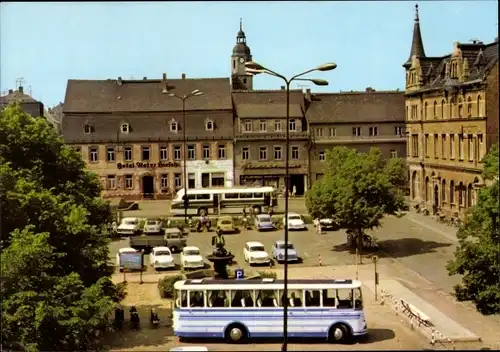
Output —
(131, 133)
(359, 120)
(260, 139)
(28, 104)
(452, 118)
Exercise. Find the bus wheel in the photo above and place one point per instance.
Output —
(257, 210)
(202, 211)
(339, 333)
(236, 333)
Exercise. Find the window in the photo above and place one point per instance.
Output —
(278, 155)
(146, 154)
(434, 109)
(394, 153)
(127, 154)
(414, 145)
(217, 179)
(110, 154)
(191, 152)
(245, 153)
(111, 182)
(321, 156)
(163, 152)
(248, 126)
(129, 181)
(460, 147)
(443, 146)
(209, 125)
(469, 107)
(206, 151)
(295, 153)
(426, 106)
(460, 108)
(452, 192)
(373, 131)
(263, 125)
(87, 129)
(263, 153)
(221, 151)
(93, 154)
(442, 109)
(436, 142)
(452, 146)
(125, 128)
(277, 126)
(333, 131)
(164, 181)
(174, 126)
(292, 125)
(177, 152)
(356, 131)
(398, 131)
(177, 180)
(480, 147)
(470, 147)
(408, 143)
(479, 108)
(319, 132)
(426, 146)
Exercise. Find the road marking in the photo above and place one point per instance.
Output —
(432, 228)
(307, 255)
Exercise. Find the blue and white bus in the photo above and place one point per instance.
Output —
(237, 310)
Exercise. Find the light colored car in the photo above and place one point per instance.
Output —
(128, 227)
(326, 224)
(226, 224)
(294, 222)
(255, 253)
(279, 251)
(120, 251)
(153, 226)
(191, 258)
(263, 222)
(161, 258)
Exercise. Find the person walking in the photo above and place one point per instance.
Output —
(294, 191)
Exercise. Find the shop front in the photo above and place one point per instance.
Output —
(275, 177)
(210, 173)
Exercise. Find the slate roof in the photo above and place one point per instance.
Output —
(268, 103)
(17, 96)
(357, 107)
(97, 96)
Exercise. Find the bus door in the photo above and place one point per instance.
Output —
(216, 204)
(267, 199)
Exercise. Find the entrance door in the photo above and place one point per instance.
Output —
(216, 204)
(298, 182)
(148, 187)
(205, 180)
(435, 205)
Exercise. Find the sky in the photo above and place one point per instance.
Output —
(49, 43)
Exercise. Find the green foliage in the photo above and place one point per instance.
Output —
(357, 190)
(268, 274)
(56, 289)
(166, 285)
(397, 171)
(478, 253)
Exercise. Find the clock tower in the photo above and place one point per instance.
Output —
(240, 80)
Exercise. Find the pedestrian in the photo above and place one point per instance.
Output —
(294, 191)
(114, 227)
(319, 231)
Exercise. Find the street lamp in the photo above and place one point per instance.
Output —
(254, 68)
(184, 97)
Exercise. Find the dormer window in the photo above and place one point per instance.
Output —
(87, 129)
(174, 126)
(209, 125)
(125, 128)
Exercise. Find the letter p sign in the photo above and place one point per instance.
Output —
(239, 273)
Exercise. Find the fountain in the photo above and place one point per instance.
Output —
(220, 257)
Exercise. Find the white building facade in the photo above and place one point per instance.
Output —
(210, 173)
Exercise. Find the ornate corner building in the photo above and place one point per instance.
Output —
(452, 118)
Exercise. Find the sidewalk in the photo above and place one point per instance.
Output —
(432, 224)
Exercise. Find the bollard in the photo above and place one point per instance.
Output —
(320, 260)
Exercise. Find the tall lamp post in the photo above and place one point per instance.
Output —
(254, 69)
(184, 97)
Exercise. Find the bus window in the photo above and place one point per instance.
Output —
(312, 298)
(203, 196)
(181, 300)
(245, 195)
(231, 196)
(267, 199)
(191, 196)
(345, 298)
(218, 298)
(358, 299)
(330, 298)
(196, 299)
(294, 298)
(258, 195)
(267, 298)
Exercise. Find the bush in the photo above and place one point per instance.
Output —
(267, 275)
(166, 285)
(121, 291)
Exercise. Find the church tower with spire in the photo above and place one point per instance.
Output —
(414, 76)
(240, 80)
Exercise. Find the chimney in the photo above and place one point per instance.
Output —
(11, 91)
(164, 76)
(20, 89)
(282, 87)
(308, 94)
(183, 76)
(144, 78)
(120, 81)
(369, 89)
(165, 84)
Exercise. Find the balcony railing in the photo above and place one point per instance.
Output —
(359, 139)
(271, 136)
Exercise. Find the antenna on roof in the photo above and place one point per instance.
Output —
(19, 82)
(302, 86)
(29, 90)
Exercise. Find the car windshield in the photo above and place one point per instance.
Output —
(192, 252)
(264, 219)
(282, 246)
(151, 222)
(257, 249)
(294, 217)
(130, 222)
(226, 222)
(158, 253)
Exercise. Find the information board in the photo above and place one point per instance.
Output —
(131, 261)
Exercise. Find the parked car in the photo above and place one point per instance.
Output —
(128, 227)
(173, 239)
(120, 251)
(294, 222)
(191, 258)
(153, 226)
(255, 253)
(327, 224)
(161, 258)
(263, 222)
(279, 251)
(226, 224)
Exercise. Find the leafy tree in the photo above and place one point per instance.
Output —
(356, 191)
(56, 288)
(397, 171)
(477, 257)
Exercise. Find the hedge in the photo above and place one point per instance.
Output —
(166, 285)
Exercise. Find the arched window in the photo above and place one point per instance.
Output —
(209, 125)
(443, 192)
(426, 190)
(425, 110)
(470, 200)
(451, 109)
(434, 110)
(407, 116)
(469, 107)
(461, 198)
(174, 127)
(460, 108)
(479, 107)
(442, 108)
(452, 192)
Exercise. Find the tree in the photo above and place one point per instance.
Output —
(56, 288)
(477, 257)
(397, 171)
(356, 191)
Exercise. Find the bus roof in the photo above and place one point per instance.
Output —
(269, 284)
(264, 189)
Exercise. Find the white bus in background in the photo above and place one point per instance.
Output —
(227, 200)
(236, 310)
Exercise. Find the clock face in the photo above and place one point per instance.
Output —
(242, 60)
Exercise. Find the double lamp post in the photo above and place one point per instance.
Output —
(254, 68)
